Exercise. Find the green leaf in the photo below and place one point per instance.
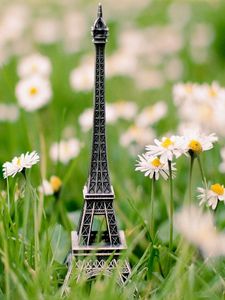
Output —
(60, 243)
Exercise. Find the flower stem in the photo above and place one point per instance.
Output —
(36, 241)
(171, 206)
(8, 196)
(26, 207)
(190, 178)
(152, 221)
(202, 171)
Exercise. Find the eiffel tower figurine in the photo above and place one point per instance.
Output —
(94, 250)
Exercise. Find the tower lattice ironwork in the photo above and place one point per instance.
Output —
(96, 250)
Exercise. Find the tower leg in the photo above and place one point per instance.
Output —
(65, 286)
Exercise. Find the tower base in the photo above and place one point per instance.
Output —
(91, 261)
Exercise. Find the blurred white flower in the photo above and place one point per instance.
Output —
(130, 38)
(14, 20)
(179, 13)
(135, 138)
(73, 38)
(34, 64)
(168, 40)
(154, 167)
(46, 30)
(111, 113)
(124, 8)
(151, 114)
(167, 148)
(82, 78)
(33, 93)
(65, 150)
(45, 188)
(149, 79)
(211, 196)
(50, 187)
(198, 228)
(201, 104)
(173, 69)
(184, 92)
(86, 119)
(202, 35)
(121, 63)
(18, 164)
(125, 109)
(8, 112)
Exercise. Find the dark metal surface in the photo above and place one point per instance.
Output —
(98, 207)
(104, 255)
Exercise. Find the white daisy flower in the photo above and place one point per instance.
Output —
(65, 150)
(154, 167)
(167, 148)
(198, 228)
(34, 64)
(33, 93)
(82, 78)
(18, 164)
(50, 187)
(195, 142)
(211, 196)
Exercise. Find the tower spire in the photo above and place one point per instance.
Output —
(99, 29)
(99, 15)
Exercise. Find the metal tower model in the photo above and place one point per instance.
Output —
(97, 243)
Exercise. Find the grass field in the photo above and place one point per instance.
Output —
(152, 46)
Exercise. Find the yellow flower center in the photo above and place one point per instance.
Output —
(34, 67)
(166, 143)
(18, 162)
(217, 188)
(205, 112)
(156, 162)
(134, 130)
(33, 91)
(195, 146)
(56, 183)
(120, 106)
(188, 88)
(213, 92)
